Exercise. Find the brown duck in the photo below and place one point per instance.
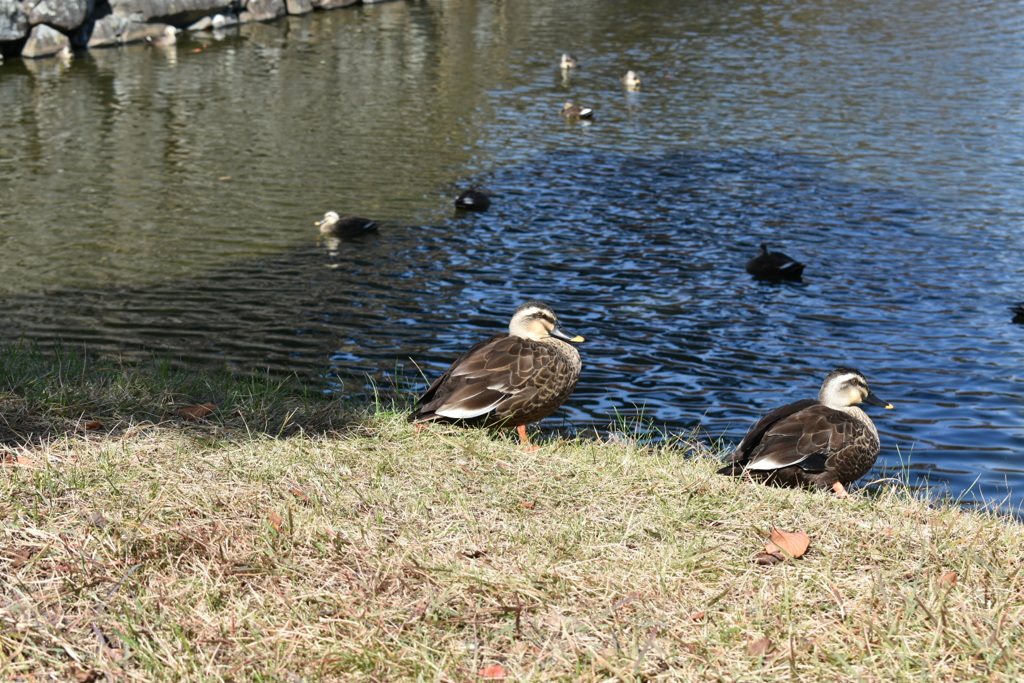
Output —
(826, 443)
(510, 379)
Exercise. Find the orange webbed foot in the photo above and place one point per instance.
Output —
(840, 490)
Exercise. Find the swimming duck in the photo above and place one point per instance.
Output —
(774, 265)
(569, 62)
(576, 111)
(166, 39)
(345, 226)
(515, 378)
(1018, 312)
(473, 200)
(826, 443)
(631, 80)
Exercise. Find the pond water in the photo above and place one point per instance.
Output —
(164, 199)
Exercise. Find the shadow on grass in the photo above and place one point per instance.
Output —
(45, 395)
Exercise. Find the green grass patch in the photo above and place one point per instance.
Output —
(288, 537)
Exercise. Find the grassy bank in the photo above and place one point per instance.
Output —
(286, 537)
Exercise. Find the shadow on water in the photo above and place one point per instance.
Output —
(644, 256)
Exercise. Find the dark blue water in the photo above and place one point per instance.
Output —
(164, 200)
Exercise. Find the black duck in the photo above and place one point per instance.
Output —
(576, 111)
(774, 265)
(515, 378)
(1018, 313)
(345, 226)
(473, 200)
(826, 443)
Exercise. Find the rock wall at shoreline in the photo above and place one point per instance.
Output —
(44, 28)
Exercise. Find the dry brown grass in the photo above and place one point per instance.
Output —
(387, 554)
(194, 551)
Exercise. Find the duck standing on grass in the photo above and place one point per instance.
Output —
(826, 443)
(515, 378)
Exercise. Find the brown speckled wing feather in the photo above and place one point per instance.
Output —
(817, 439)
(503, 378)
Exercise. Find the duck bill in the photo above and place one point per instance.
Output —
(559, 333)
(871, 399)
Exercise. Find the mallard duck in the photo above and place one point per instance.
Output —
(345, 226)
(473, 200)
(166, 39)
(510, 379)
(569, 62)
(631, 80)
(774, 265)
(576, 111)
(826, 443)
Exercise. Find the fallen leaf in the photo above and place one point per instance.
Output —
(699, 616)
(493, 671)
(760, 647)
(197, 412)
(948, 579)
(275, 520)
(90, 426)
(301, 495)
(793, 543)
(8, 458)
(528, 504)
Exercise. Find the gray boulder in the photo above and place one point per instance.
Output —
(333, 4)
(175, 12)
(44, 41)
(298, 6)
(105, 32)
(13, 21)
(262, 10)
(62, 14)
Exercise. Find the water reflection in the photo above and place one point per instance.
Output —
(166, 200)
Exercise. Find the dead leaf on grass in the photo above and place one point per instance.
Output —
(768, 559)
(276, 520)
(197, 412)
(93, 426)
(760, 647)
(493, 671)
(699, 616)
(528, 504)
(949, 579)
(17, 460)
(792, 543)
(301, 495)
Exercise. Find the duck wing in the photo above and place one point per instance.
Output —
(750, 444)
(476, 383)
(811, 438)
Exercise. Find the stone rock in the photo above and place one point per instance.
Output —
(13, 21)
(333, 4)
(44, 41)
(106, 31)
(135, 31)
(62, 14)
(298, 6)
(262, 10)
(174, 12)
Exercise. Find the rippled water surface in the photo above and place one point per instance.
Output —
(164, 200)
